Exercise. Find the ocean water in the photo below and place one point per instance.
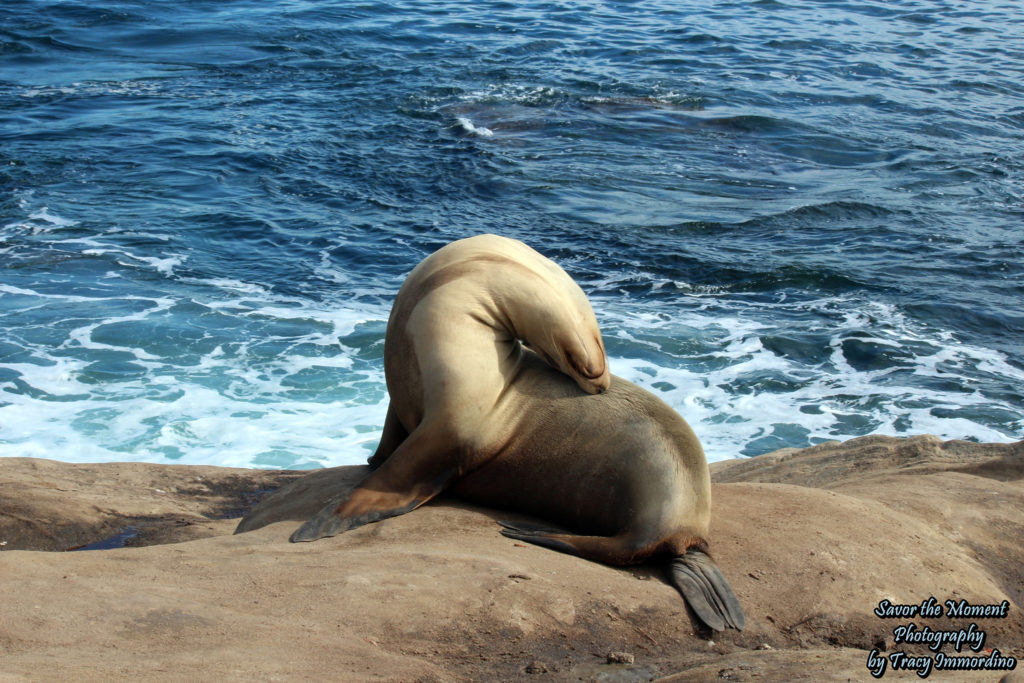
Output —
(797, 222)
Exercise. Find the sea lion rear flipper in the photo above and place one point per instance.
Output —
(707, 592)
(531, 528)
(615, 550)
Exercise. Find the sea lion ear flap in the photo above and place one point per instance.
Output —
(706, 591)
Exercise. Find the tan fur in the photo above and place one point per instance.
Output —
(475, 412)
(619, 464)
(453, 350)
(453, 339)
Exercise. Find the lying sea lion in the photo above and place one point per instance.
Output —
(474, 412)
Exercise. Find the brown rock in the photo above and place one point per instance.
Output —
(812, 541)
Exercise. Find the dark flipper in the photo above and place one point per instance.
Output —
(391, 438)
(332, 520)
(538, 534)
(417, 470)
(528, 528)
(695, 574)
(615, 550)
(707, 592)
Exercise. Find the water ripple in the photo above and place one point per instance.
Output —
(798, 221)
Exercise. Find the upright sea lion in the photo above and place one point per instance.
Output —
(474, 411)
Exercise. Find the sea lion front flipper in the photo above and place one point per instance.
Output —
(707, 592)
(335, 518)
(415, 472)
(391, 438)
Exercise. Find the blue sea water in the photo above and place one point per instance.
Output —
(797, 221)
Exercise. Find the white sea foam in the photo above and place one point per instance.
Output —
(233, 285)
(468, 126)
(38, 222)
(281, 387)
(274, 380)
(734, 409)
(202, 426)
(162, 264)
(235, 407)
(45, 216)
(81, 337)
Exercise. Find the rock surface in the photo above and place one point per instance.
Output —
(812, 541)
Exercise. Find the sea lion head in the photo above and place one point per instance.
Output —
(574, 347)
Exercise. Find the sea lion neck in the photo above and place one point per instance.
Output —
(505, 294)
(490, 287)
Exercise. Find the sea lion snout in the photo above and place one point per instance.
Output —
(593, 387)
(586, 367)
(597, 384)
(591, 369)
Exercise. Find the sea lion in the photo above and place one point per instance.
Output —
(453, 345)
(475, 412)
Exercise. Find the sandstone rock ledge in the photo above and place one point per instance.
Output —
(811, 541)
